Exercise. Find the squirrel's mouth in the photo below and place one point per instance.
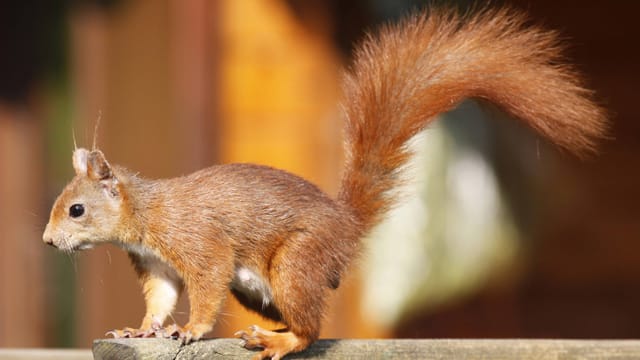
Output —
(72, 248)
(83, 246)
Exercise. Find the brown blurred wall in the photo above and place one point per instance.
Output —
(22, 272)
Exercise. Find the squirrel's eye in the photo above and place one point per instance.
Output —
(76, 210)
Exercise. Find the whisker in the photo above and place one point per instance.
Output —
(73, 135)
(95, 130)
(30, 212)
(74, 260)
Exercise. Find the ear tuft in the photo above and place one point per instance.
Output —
(97, 166)
(80, 157)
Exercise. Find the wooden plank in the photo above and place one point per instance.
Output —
(378, 349)
(138, 349)
(45, 354)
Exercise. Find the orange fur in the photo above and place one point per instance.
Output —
(278, 242)
(406, 75)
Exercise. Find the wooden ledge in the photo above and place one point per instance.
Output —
(44, 354)
(108, 349)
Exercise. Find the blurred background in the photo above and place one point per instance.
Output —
(500, 236)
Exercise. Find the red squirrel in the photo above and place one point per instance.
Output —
(276, 241)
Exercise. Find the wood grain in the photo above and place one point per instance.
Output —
(377, 349)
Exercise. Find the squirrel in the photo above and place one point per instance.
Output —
(278, 242)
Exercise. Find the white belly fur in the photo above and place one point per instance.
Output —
(252, 285)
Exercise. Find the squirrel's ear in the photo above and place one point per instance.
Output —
(80, 157)
(97, 166)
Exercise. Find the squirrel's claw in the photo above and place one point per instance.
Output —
(113, 333)
(251, 339)
(122, 333)
(274, 344)
(146, 333)
(137, 333)
(186, 337)
(169, 332)
(174, 331)
(257, 338)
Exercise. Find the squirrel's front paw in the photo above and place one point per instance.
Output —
(153, 331)
(122, 333)
(188, 333)
(130, 333)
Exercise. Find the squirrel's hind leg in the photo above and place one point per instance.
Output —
(299, 295)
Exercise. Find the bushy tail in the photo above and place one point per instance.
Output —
(427, 65)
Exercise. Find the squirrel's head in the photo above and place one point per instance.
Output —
(88, 210)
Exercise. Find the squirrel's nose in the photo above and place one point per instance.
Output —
(47, 238)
